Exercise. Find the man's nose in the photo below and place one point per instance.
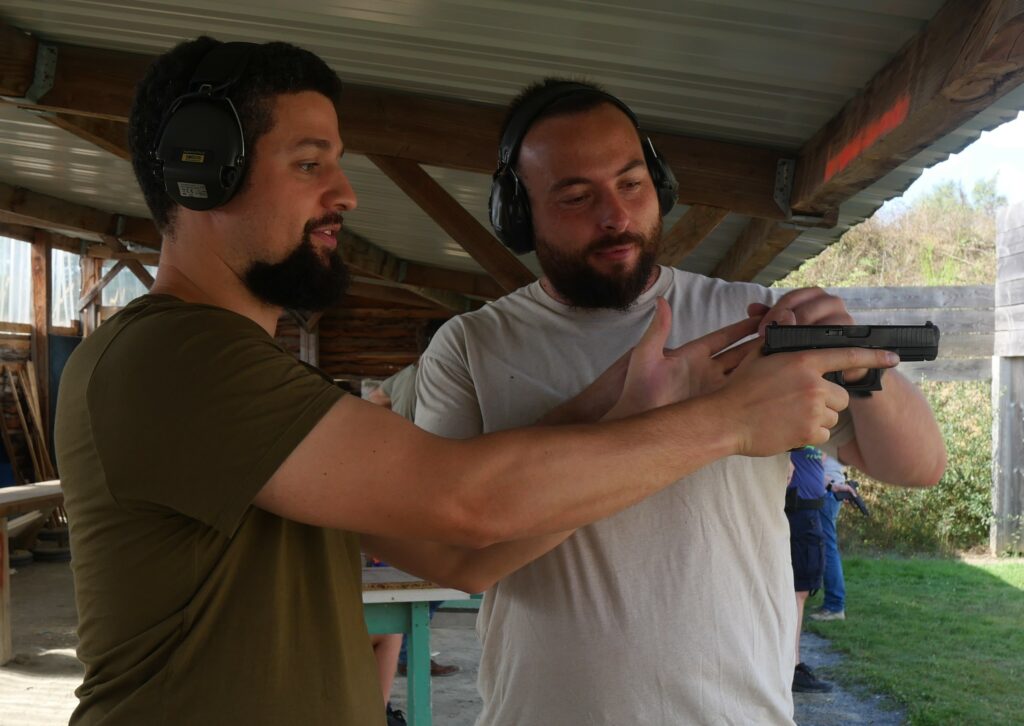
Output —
(340, 195)
(614, 214)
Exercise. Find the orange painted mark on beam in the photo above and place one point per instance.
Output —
(864, 139)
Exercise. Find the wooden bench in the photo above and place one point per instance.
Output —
(17, 500)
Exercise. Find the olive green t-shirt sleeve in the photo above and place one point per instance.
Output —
(194, 408)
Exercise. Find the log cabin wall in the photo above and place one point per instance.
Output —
(360, 343)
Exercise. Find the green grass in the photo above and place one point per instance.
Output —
(943, 637)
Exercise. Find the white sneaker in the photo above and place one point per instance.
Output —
(823, 614)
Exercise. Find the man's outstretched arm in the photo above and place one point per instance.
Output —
(367, 470)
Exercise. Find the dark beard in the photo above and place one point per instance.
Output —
(304, 280)
(584, 287)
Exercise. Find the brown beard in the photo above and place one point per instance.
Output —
(577, 281)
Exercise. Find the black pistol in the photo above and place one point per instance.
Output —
(909, 342)
(851, 496)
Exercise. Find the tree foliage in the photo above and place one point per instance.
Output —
(946, 237)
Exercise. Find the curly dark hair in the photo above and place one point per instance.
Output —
(271, 69)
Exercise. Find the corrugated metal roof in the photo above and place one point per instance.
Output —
(766, 72)
(761, 72)
(41, 157)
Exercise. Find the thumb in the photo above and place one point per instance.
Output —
(652, 344)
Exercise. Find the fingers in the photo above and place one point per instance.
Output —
(841, 359)
(809, 306)
(780, 315)
(722, 338)
(757, 309)
(731, 358)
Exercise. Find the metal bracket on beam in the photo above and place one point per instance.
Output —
(45, 72)
(785, 170)
(828, 220)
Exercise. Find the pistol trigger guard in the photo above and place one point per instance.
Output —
(870, 382)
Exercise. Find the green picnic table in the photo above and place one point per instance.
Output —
(397, 602)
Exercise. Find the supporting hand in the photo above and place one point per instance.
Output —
(808, 306)
(657, 377)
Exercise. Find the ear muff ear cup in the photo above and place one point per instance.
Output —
(508, 204)
(664, 179)
(202, 152)
(509, 208)
(200, 148)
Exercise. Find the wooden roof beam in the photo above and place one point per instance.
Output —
(111, 136)
(453, 218)
(22, 211)
(970, 54)
(367, 290)
(697, 223)
(440, 132)
(363, 256)
(760, 242)
(23, 206)
(756, 246)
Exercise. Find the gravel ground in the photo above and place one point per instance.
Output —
(37, 687)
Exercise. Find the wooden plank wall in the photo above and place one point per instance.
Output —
(1007, 530)
(362, 342)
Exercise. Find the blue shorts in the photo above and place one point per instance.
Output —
(807, 548)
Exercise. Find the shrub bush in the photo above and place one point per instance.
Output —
(955, 515)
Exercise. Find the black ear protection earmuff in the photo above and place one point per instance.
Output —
(200, 148)
(509, 205)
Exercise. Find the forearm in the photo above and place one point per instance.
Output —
(897, 439)
(514, 493)
(463, 568)
(592, 403)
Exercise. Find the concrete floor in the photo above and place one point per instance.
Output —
(37, 687)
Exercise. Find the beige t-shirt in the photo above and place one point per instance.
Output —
(194, 606)
(678, 610)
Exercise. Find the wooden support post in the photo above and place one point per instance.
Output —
(309, 343)
(42, 294)
(1007, 533)
(6, 645)
(92, 270)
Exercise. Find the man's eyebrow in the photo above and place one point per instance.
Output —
(322, 144)
(573, 180)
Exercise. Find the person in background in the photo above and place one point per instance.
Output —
(834, 607)
(398, 393)
(805, 496)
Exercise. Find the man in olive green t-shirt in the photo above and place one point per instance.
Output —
(213, 483)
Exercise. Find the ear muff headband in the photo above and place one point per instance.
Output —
(509, 205)
(200, 149)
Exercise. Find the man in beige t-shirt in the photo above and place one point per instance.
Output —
(678, 610)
